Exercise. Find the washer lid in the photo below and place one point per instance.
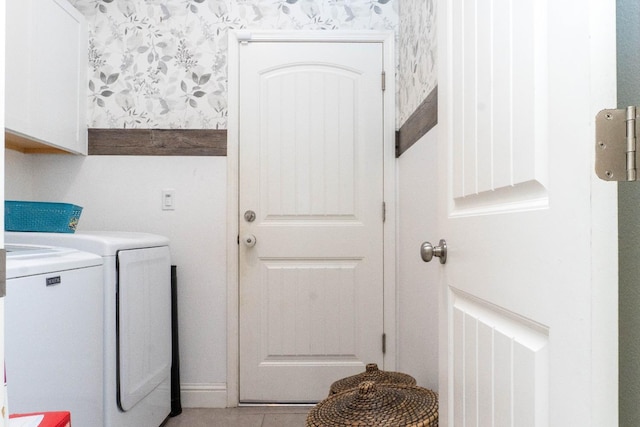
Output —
(28, 260)
(32, 251)
(104, 243)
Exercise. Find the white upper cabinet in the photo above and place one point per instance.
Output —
(46, 76)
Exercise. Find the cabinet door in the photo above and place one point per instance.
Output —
(59, 71)
(47, 101)
(17, 66)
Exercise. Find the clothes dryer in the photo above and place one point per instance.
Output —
(137, 320)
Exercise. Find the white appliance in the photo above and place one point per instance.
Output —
(137, 321)
(54, 332)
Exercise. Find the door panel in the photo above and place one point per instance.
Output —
(308, 173)
(501, 357)
(526, 292)
(143, 323)
(297, 322)
(311, 168)
(498, 147)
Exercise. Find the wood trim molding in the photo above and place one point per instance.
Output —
(158, 142)
(419, 123)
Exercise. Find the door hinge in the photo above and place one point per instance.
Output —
(384, 343)
(616, 154)
(384, 81)
(384, 211)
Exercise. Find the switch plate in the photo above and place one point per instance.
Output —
(168, 199)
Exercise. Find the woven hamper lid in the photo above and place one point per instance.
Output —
(372, 373)
(379, 405)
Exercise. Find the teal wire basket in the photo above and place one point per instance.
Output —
(47, 217)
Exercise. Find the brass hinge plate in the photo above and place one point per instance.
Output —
(616, 155)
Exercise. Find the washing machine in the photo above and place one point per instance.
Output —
(54, 354)
(137, 320)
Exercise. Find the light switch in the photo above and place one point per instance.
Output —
(168, 199)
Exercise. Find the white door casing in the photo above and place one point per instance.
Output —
(317, 192)
(528, 318)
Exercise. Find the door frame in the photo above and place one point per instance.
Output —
(233, 214)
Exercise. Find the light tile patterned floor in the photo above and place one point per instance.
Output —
(250, 416)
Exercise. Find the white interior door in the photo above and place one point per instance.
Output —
(529, 290)
(311, 259)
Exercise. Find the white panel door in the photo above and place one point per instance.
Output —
(311, 168)
(529, 290)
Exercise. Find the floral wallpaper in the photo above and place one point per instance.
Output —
(163, 63)
(417, 71)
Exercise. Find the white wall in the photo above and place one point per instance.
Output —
(18, 183)
(417, 280)
(124, 193)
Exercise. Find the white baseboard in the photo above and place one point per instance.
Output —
(203, 395)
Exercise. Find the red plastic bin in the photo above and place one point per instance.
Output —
(51, 419)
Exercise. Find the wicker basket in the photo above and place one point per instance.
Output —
(372, 373)
(377, 405)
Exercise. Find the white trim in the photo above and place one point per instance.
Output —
(233, 214)
(316, 36)
(203, 395)
(604, 374)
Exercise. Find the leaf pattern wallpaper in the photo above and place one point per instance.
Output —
(163, 63)
(417, 71)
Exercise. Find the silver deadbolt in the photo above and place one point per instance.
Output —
(428, 251)
(249, 216)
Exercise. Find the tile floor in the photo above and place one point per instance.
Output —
(246, 416)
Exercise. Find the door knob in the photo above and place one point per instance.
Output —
(428, 251)
(249, 240)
